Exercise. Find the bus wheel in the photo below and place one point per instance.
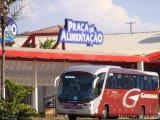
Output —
(105, 114)
(141, 113)
(72, 117)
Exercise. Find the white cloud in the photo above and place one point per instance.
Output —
(103, 13)
(107, 16)
(146, 26)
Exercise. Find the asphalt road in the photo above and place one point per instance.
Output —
(157, 117)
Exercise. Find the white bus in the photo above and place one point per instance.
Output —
(107, 91)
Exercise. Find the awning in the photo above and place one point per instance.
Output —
(154, 57)
(41, 54)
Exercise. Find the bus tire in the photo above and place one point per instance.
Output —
(105, 114)
(141, 113)
(72, 117)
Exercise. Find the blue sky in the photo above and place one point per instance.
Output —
(109, 16)
(147, 10)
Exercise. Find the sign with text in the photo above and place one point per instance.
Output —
(80, 32)
(10, 32)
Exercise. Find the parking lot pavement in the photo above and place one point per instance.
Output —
(156, 117)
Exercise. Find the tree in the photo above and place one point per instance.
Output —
(13, 106)
(47, 44)
(12, 8)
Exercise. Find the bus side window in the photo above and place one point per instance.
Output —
(134, 77)
(142, 82)
(150, 82)
(146, 84)
(126, 81)
(138, 81)
(154, 82)
(131, 82)
(119, 81)
(110, 82)
(115, 80)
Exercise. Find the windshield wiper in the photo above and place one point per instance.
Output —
(71, 92)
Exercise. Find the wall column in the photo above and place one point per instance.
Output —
(35, 92)
(140, 65)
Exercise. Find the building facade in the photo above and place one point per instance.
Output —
(33, 66)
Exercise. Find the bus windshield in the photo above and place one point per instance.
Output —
(75, 86)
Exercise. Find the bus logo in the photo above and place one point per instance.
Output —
(136, 97)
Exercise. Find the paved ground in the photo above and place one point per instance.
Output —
(65, 118)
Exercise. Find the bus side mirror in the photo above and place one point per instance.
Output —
(55, 81)
(95, 82)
